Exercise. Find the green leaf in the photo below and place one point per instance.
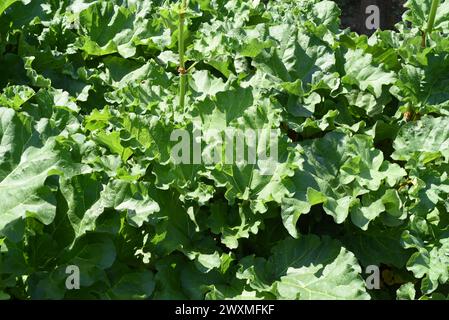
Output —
(337, 281)
(135, 285)
(353, 169)
(377, 245)
(362, 72)
(406, 292)
(430, 262)
(23, 191)
(6, 4)
(422, 137)
(306, 268)
(419, 10)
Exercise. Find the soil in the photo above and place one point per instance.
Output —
(353, 13)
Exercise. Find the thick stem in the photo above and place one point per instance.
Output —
(430, 22)
(181, 49)
(433, 13)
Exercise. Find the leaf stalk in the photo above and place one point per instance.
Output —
(430, 22)
(181, 49)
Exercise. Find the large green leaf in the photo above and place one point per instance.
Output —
(430, 262)
(23, 190)
(427, 138)
(306, 268)
(5, 4)
(89, 104)
(353, 169)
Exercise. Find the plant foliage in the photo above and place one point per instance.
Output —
(90, 96)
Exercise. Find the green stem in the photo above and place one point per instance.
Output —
(433, 13)
(192, 66)
(181, 49)
(431, 21)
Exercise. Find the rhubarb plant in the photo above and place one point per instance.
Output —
(118, 161)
